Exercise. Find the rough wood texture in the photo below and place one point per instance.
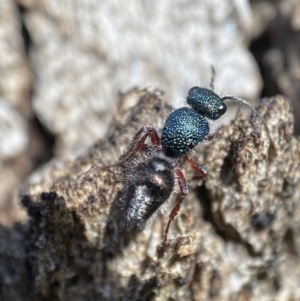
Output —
(236, 237)
(237, 234)
(63, 63)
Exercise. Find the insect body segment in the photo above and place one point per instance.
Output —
(183, 130)
(206, 103)
(148, 185)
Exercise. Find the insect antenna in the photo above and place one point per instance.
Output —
(244, 102)
(213, 75)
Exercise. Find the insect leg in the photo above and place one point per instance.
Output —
(183, 192)
(138, 142)
(200, 169)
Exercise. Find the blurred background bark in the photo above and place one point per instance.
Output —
(64, 69)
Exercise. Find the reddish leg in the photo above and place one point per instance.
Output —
(211, 137)
(138, 142)
(200, 169)
(183, 192)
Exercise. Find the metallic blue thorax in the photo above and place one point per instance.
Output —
(183, 130)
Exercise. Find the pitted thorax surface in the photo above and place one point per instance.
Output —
(183, 130)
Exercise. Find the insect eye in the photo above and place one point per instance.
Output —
(193, 89)
(222, 109)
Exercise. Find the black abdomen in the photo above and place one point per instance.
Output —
(148, 185)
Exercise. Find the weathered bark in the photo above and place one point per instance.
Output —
(236, 236)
